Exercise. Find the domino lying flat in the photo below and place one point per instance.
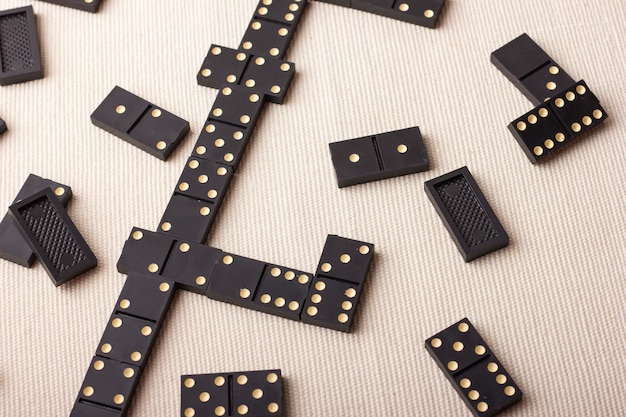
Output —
(473, 369)
(419, 12)
(465, 212)
(564, 109)
(140, 123)
(530, 69)
(52, 236)
(13, 246)
(251, 394)
(3, 126)
(378, 157)
(19, 43)
(86, 5)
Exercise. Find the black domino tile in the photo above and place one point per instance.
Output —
(128, 339)
(466, 214)
(539, 133)
(286, 12)
(191, 265)
(144, 251)
(52, 236)
(267, 38)
(472, 368)
(85, 409)
(331, 303)
(188, 218)
(205, 395)
(530, 69)
(140, 123)
(269, 76)
(235, 280)
(373, 158)
(419, 12)
(222, 66)
(578, 108)
(344, 3)
(283, 291)
(85, 5)
(222, 142)
(257, 393)
(3, 126)
(205, 180)
(147, 297)
(109, 383)
(345, 259)
(13, 246)
(251, 393)
(19, 46)
(238, 106)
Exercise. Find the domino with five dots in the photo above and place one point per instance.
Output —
(251, 394)
(140, 123)
(473, 369)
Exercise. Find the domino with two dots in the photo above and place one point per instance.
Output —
(377, 157)
(473, 369)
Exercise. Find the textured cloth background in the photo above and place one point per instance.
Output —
(551, 305)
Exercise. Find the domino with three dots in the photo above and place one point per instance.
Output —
(466, 214)
(335, 292)
(85, 5)
(13, 246)
(473, 369)
(252, 393)
(554, 124)
(373, 158)
(52, 236)
(19, 43)
(140, 123)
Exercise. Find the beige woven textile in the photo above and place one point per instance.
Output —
(550, 305)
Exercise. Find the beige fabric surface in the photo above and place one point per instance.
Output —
(550, 305)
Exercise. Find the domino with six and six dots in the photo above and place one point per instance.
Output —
(466, 214)
(335, 292)
(282, 291)
(472, 368)
(85, 5)
(554, 124)
(373, 158)
(140, 123)
(530, 69)
(13, 246)
(19, 43)
(252, 393)
(52, 236)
